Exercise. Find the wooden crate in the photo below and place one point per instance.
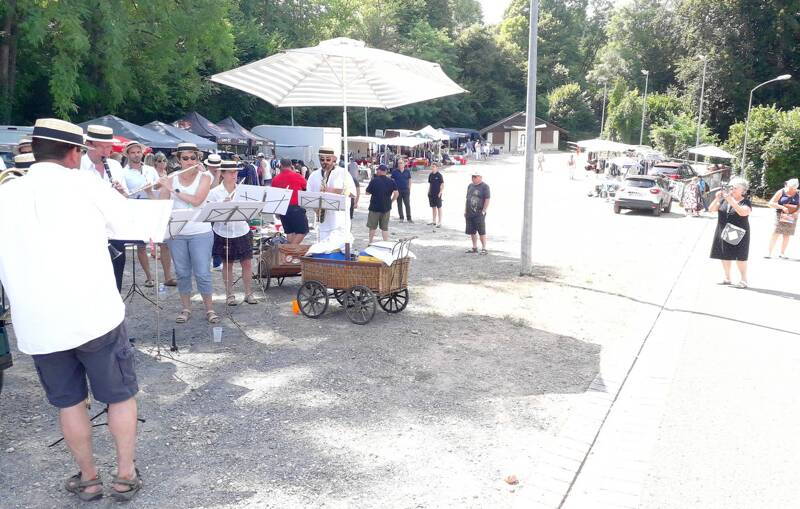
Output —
(284, 258)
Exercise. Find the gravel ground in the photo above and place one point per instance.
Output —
(433, 407)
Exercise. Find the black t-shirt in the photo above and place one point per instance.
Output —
(380, 189)
(477, 194)
(435, 180)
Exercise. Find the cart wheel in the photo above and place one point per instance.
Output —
(395, 302)
(360, 304)
(280, 280)
(339, 294)
(312, 298)
(263, 274)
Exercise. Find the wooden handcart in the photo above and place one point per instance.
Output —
(360, 287)
(279, 262)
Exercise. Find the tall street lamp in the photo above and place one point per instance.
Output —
(603, 119)
(704, 58)
(644, 103)
(782, 77)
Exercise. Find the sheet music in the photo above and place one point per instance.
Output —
(277, 200)
(223, 212)
(146, 220)
(178, 220)
(246, 192)
(327, 201)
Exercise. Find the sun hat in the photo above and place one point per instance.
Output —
(213, 160)
(186, 147)
(24, 161)
(229, 166)
(326, 151)
(23, 141)
(61, 131)
(99, 133)
(131, 144)
(260, 154)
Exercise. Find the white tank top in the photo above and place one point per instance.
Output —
(192, 227)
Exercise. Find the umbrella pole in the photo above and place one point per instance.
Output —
(344, 111)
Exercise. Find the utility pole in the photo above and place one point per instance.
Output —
(526, 268)
(366, 124)
(603, 118)
(644, 104)
(292, 110)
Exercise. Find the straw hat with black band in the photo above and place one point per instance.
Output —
(213, 161)
(59, 131)
(99, 134)
(24, 146)
(24, 161)
(132, 143)
(186, 147)
(229, 166)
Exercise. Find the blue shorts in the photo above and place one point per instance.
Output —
(295, 220)
(107, 361)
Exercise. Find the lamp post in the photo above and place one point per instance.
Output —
(700, 109)
(603, 115)
(644, 103)
(782, 77)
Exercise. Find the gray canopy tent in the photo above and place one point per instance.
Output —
(183, 135)
(122, 127)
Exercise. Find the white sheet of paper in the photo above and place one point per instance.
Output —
(246, 192)
(277, 200)
(147, 220)
(327, 201)
(223, 212)
(178, 220)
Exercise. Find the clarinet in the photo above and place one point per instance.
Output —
(114, 252)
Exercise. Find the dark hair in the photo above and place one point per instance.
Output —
(286, 163)
(49, 150)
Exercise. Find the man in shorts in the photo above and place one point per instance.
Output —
(478, 196)
(83, 336)
(295, 221)
(383, 191)
(435, 190)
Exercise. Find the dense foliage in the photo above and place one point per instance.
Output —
(150, 59)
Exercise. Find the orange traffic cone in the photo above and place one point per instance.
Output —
(295, 307)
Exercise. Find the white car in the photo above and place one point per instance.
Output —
(643, 192)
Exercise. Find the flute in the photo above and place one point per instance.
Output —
(151, 184)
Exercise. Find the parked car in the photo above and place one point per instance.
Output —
(673, 170)
(643, 192)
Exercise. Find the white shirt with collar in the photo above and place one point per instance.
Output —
(134, 179)
(117, 173)
(229, 229)
(55, 310)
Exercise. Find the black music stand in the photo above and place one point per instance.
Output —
(135, 289)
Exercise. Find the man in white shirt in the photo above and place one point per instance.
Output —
(337, 180)
(83, 335)
(137, 175)
(96, 161)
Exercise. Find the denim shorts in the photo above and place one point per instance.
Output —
(108, 362)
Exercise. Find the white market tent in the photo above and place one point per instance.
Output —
(598, 145)
(431, 133)
(710, 151)
(397, 141)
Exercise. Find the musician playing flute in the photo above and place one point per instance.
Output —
(137, 176)
(96, 161)
(191, 249)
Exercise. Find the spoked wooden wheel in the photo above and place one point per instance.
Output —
(263, 274)
(395, 302)
(312, 298)
(360, 304)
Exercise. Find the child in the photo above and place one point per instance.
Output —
(435, 189)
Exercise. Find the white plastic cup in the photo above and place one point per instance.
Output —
(217, 334)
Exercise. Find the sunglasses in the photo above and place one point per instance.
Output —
(188, 158)
(327, 158)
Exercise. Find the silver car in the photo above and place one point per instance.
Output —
(643, 192)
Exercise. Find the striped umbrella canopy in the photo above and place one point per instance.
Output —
(340, 72)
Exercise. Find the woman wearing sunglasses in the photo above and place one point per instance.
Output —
(191, 249)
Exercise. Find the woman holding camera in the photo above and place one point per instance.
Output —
(733, 208)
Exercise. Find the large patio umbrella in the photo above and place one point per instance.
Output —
(340, 72)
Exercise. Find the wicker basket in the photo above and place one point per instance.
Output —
(342, 275)
(284, 257)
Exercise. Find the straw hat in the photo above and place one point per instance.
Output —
(61, 131)
(326, 151)
(24, 161)
(132, 143)
(23, 142)
(99, 134)
(213, 160)
(229, 166)
(186, 147)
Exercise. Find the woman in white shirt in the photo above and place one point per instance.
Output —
(191, 248)
(233, 241)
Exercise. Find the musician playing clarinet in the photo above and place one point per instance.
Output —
(99, 140)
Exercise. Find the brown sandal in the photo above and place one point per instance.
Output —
(183, 316)
(78, 487)
(134, 484)
(231, 300)
(212, 317)
(171, 282)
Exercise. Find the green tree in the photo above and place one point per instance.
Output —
(782, 152)
(764, 123)
(569, 108)
(674, 135)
